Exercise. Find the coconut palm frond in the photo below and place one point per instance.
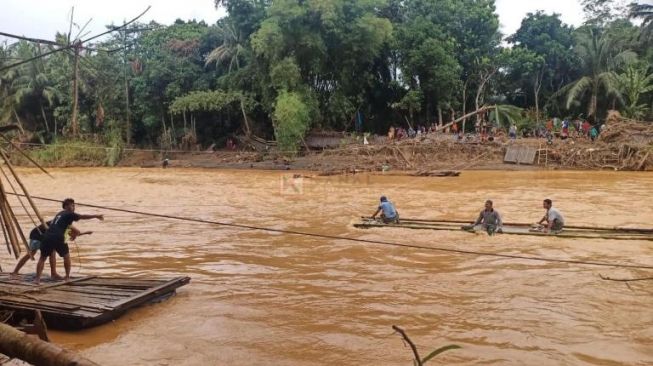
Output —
(577, 89)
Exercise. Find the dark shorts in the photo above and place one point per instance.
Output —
(50, 244)
(557, 226)
(387, 220)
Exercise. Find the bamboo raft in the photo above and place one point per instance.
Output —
(585, 232)
(85, 301)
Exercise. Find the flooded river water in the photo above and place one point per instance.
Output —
(260, 298)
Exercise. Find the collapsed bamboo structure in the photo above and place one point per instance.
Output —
(9, 224)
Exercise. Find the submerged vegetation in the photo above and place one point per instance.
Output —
(278, 69)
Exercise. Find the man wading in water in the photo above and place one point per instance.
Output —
(54, 237)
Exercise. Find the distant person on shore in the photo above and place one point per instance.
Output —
(54, 237)
(489, 219)
(512, 132)
(586, 129)
(35, 239)
(388, 211)
(553, 218)
(594, 133)
(565, 129)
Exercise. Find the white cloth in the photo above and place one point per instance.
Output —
(554, 214)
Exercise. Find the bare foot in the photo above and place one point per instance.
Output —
(56, 277)
(13, 276)
(37, 281)
(67, 278)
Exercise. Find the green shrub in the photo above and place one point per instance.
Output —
(291, 121)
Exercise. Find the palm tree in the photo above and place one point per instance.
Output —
(645, 13)
(634, 82)
(234, 46)
(32, 83)
(599, 54)
(232, 49)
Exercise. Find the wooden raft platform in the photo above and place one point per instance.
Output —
(85, 301)
(515, 229)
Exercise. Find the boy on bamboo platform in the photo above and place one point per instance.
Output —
(35, 239)
(54, 237)
(489, 218)
(553, 218)
(388, 211)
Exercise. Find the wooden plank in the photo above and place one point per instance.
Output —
(153, 292)
(57, 284)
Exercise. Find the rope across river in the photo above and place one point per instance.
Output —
(367, 241)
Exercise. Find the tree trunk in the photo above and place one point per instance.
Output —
(45, 119)
(74, 128)
(18, 119)
(128, 126)
(248, 132)
(537, 104)
(464, 106)
(536, 93)
(17, 344)
(591, 111)
(439, 116)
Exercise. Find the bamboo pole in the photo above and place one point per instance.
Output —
(564, 234)
(4, 233)
(20, 231)
(577, 227)
(25, 155)
(22, 186)
(13, 189)
(15, 193)
(17, 344)
(7, 220)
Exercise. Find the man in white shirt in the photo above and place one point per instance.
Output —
(553, 218)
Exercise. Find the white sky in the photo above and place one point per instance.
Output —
(42, 18)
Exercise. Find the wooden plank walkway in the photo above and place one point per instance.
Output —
(520, 155)
(85, 301)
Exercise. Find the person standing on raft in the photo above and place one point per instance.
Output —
(54, 237)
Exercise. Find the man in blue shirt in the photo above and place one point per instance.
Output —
(388, 212)
(54, 237)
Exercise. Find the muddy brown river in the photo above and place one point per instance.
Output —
(260, 298)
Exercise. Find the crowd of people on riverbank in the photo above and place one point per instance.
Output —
(580, 128)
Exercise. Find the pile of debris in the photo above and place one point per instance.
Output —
(623, 144)
(411, 155)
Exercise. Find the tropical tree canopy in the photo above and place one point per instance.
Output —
(278, 69)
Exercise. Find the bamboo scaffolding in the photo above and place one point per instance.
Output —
(8, 221)
(22, 186)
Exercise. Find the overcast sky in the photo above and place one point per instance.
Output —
(42, 18)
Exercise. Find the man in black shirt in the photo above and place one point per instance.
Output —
(35, 239)
(54, 240)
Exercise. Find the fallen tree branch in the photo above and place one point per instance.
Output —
(418, 360)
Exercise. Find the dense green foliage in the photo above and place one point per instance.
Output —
(279, 68)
